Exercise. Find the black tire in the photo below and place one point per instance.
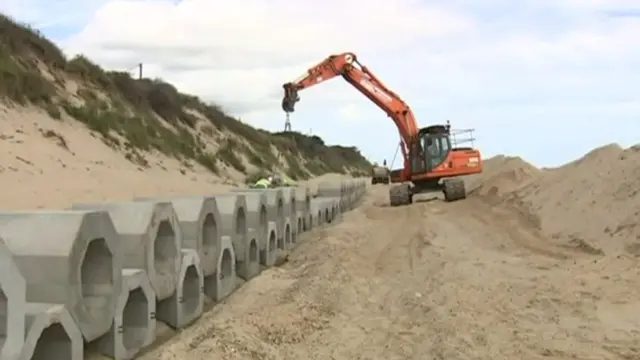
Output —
(385, 181)
(453, 190)
(374, 181)
(400, 195)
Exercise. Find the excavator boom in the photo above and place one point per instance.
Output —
(427, 153)
(347, 66)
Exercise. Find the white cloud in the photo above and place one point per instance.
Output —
(509, 68)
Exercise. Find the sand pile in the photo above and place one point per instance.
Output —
(591, 203)
(502, 176)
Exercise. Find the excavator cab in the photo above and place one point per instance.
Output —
(430, 149)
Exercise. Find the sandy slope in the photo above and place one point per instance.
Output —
(430, 281)
(46, 163)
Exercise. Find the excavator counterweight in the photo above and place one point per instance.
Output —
(431, 162)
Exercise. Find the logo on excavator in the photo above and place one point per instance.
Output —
(379, 93)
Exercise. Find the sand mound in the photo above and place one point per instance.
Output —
(502, 175)
(591, 202)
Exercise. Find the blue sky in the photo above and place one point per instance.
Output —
(545, 80)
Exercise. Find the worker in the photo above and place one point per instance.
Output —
(287, 181)
(275, 180)
(263, 183)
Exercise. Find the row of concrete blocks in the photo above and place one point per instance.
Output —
(99, 275)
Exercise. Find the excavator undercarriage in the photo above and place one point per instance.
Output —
(453, 189)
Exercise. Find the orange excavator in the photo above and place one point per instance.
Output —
(431, 162)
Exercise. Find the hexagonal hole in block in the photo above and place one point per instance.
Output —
(191, 289)
(135, 320)
(226, 266)
(263, 219)
(209, 235)
(4, 317)
(53, 344)
(287, 234)
(327, 217)
(272, 240)
(241, 222)
(280, 209)
(300, 225)
(280, 243)
(96, 275)
(165, 250)
(253, 251)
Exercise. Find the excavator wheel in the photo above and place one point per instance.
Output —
(400, 195)
(385, 181)
(374, 181)
(453, 189)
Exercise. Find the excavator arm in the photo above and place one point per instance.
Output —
(359, 76)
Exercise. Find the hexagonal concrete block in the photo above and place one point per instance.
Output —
(318, 210)
(332, 212)
(308, 221)
(199, 223)
(248, 256)
(258, 209)
(274, 201)
(221, 284)
(299, 228)
(150, 238)
(269, 250)
(51, 334)
(290, 198)
(185, 305)
(329, 188)
(77, 264)
(13, 291)
(303, 199)
(232, 208)
(134, 326)
(288, 233)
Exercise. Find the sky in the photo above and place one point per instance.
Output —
(546, 80)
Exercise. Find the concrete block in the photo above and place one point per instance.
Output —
(269, 250)
(248, 256)
(332, 206)
(299, 224)
(289, 198)
(233, 217)
(308, 221)
(199, 220)
(221, 284)
(51, 334)
(284, 239)
(257, 208)
(76, 263)
(303, 199)
(134, 326)
(13, 291)
(320, 211)
(288, 233)
(184, 306)
(150, 238)
(329, 188)
(274, 201)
